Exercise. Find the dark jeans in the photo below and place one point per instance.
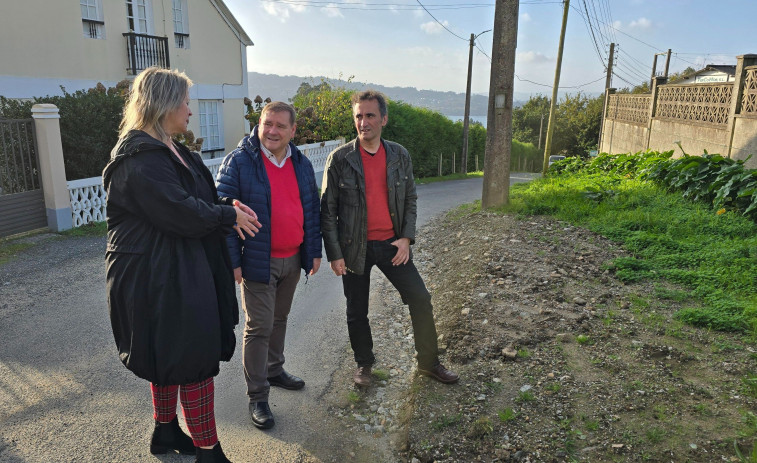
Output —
(413, 292)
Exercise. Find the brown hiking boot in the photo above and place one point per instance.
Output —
(440, 373)
(362, 376)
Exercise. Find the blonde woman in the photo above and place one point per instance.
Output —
(169, 279)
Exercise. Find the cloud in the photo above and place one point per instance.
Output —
(641, 23)
(433, 27)
(420, 51)
(532, 57)
(332, 11)
(525, 17)
(281, 11)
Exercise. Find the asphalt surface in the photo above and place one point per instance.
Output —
(65, 396)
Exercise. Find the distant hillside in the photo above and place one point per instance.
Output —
(283, 88)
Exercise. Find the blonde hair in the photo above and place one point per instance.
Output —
(155, 93)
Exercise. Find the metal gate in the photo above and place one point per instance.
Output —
(22, 202)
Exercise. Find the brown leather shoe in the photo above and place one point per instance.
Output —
(440, 373)
(362, 376)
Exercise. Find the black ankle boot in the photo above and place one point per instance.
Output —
(214, 455)
(169, 436)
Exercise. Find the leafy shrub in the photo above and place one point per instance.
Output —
(89, 122)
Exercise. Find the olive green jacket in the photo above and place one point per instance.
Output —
(344, 217)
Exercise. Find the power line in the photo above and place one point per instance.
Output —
(590, 30)
(562, 86)
(376, 6)
(437, 21)
(483, 52)
(607, 18)
(630, 70)
(643, 65)
(599, 29)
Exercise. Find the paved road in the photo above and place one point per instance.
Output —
(64, 396)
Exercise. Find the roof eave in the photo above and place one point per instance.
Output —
(232, 22)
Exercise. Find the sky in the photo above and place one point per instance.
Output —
(399, 43)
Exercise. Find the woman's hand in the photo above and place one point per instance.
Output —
(247, 220)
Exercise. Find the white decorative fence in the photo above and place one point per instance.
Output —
(88, 195)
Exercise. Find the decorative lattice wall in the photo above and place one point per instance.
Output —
(709, 103)
(629, 108)
(749, 99)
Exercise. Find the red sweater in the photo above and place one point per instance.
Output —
(377, 195)
(287, 219)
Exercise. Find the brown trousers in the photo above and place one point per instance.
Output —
(266, 308)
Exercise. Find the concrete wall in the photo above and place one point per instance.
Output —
(694, 138)
(745, 140)
(714, 118)
(623, 137)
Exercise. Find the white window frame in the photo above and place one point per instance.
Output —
(180, 15)
(211, 124)
(136, 18)
(93, 26)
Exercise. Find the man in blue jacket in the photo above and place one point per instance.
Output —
(269, 174)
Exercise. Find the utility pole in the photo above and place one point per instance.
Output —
(552, 115)
(608, 82)
(541, 124)
(667, 64)
(499, 124)
(654, 71)
(464, 155)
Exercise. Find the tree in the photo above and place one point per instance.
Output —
(578, 121)
(576, 128)
(528, 118)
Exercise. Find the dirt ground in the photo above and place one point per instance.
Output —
(559, 361)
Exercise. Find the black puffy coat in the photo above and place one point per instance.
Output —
(170, 285)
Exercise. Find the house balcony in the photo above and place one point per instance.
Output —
(144, 50)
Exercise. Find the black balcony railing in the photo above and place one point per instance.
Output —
(145, 50)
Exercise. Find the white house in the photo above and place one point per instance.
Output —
(711, 73)
(46, 44)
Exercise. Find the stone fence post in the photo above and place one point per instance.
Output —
(742, 62)
(656, 82)
(51, 168)
(605, 109)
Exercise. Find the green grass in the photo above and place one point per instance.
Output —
(712, 258)
(525, 396)
(353, 397)
(655, 435)
(8, 249)
(507, 414)
(445, 421)
(554, 387)
(90, 229)
(750, 385)
(424, 180)
(481, 427)
(381, 375)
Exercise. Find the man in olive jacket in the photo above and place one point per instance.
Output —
(368, 213)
